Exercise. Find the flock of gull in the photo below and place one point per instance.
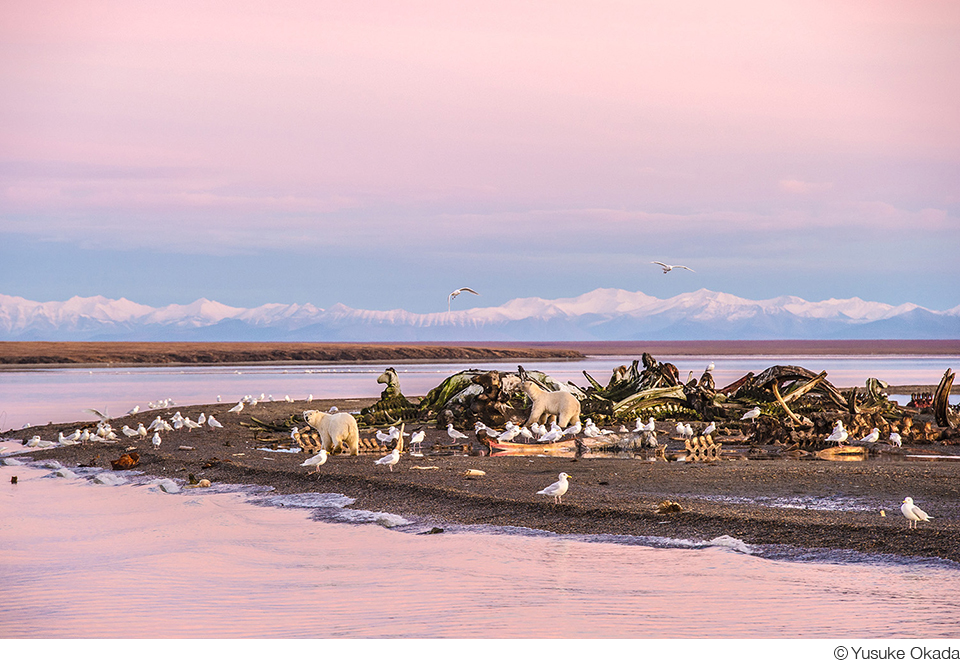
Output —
(540, 433)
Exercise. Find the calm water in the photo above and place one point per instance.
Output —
(87, 560)
(38, 396)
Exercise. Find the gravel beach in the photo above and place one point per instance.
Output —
(799, 502)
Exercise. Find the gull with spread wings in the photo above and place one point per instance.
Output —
(454, 294)
(667, 267)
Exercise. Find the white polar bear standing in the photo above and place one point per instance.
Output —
(338, 433)
(562, 405)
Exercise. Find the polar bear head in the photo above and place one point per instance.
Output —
(313, 417)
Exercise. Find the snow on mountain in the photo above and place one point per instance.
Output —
(603, 314)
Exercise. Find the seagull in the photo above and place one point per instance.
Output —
(310, 398)
(72, 439)
(590, 429)
(190, 424)
(237, 408)
(711, 366)
(133, 411)
(156, 440)
(551, 436)
(873, 436)
(511, 432)
(454, 294)
(557, 488)
(711, 427)
(390, 459)
(895, 439)
(667, 267)
(129, 432)
(573, 430)
(213, 423)
(454, 433)
(218, 398)
(103, 416)
(912, 513)
(751, 414)
(479, 427)
(202, 419)
(35, 441)
(288, 399)
(319, 459)
(839, 435)
(141, 431)
(416, 440)
(384, 438)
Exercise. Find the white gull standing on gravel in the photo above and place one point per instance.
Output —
(557, 489)
(390, 459)
(319, 459)
(912, 513)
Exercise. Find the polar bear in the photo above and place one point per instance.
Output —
(338, 433)
(562, 405)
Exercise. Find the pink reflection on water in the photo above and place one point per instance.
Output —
(81, 560)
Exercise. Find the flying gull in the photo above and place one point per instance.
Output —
(667, 267)
(454, 294)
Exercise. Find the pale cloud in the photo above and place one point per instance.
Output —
(796, 186)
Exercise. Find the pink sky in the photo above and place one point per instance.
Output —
(648, 129)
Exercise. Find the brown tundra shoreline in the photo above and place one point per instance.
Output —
(44, 353)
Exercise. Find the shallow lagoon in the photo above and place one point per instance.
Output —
(87, 560)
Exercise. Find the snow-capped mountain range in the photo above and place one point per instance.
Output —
(600, 315)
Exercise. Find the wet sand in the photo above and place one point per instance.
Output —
(608, 495)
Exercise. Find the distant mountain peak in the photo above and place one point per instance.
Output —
(598, 315)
